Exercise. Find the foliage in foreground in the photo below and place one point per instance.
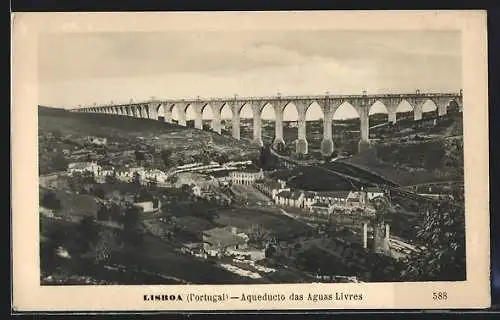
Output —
(442, 232)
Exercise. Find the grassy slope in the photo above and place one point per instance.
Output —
(120, 127)
(415, 162)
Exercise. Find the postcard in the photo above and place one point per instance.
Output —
(250, 161)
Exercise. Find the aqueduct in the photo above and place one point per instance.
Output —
(328, 103)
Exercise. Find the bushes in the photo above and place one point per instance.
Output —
(50, 201)
(430, 154)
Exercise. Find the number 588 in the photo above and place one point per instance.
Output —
(439, 295)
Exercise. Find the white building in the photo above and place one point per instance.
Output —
(103, 172)
(246, 177)
(97, 141)
(149, 206)
(81, 167)
(322, 209)
(154, 175)
(290, 198)
(220, 241)
(372, 193)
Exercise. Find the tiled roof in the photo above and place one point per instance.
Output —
(339, 194)
(284, 194)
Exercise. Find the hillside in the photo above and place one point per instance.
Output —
(417, 152)
(70, 130)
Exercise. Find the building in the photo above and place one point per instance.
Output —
(246, 177)
(145, 175)
(154, 175)
(103, 172)
(150, 206)
(337, 198)
(247, 254)
(219, 241)
(290, 198)
(97, 141)
(321, 209)
(373, 192)
(356, 199)
(81, 167)
(269, 187)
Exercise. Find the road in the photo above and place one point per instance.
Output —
(295, 218)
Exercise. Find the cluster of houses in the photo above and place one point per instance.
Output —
(317, 203)
(100, 172)
(236, 172)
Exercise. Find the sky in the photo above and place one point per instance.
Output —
(83, 68)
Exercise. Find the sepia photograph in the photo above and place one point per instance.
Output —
(230, 155)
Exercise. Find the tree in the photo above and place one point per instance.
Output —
(103, 213)
(99, 192)
(50, 201)
(111, 178)
(131, 217)
(88, 177)
(136, 179)
(139, 155)
(106, 243)
(165, 155)
(257, 234)
(131, 233)
(86, 234)
(270, 251)
(59, 162)
(443, 233)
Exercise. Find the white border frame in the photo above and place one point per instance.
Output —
(28, 295)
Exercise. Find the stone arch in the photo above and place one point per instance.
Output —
(177, 111)
(378, 113)
(429, 108)
(160, 111)
(314, 117)
(290, 122)
(139, 111)
(146, 111)
(207, 116)
(246, 120)
(190, 112)
(453, 106)
(226, 117)
(406, 108)
(345, 111)
(266, 109)
(268, 122)
(346, 120)
(314, 111)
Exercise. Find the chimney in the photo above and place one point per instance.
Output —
(365, 235)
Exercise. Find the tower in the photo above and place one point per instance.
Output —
(380, 228)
